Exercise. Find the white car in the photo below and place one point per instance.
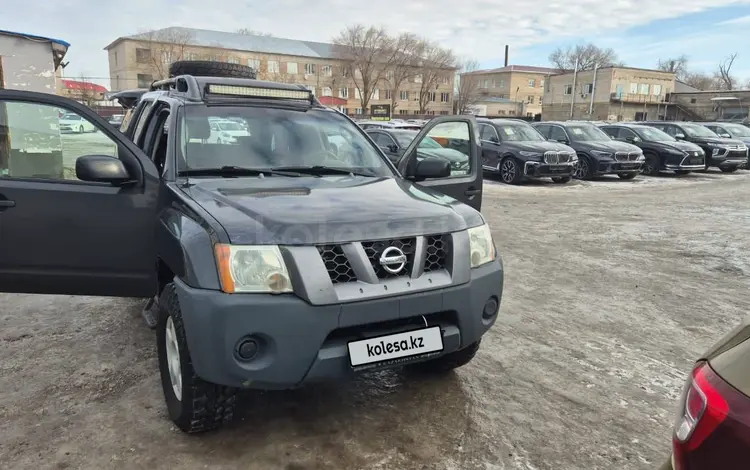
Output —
(226, 131)
(71, 122)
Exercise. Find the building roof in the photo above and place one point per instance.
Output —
(622, 67)
(76, 85)
(33, 37)
(516, 68)
(237, 41)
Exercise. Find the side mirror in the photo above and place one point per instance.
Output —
(494, 139)
(679, 136)
(432, 168)
(101, 169)
(393, 148)
(726, 136)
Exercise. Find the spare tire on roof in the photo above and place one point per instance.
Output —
(210, 68)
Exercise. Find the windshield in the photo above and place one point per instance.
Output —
(737, 130)
(71, 117)
(519, 133)
(275, 138)
(652, 134)
(586, 133)
(695, 130)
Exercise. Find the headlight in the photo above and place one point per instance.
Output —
(481, 246)
(600, 154)
(641, 158)
(246, 268)
(720, 146)
(524, 153)
(574, 158)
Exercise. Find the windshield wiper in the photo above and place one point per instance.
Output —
(320, 170)
(231, 170)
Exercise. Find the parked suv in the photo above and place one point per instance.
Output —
(725, 154)
(731, 130)
(515, 150)
(275, 261)
(661, 151)
(597, 153)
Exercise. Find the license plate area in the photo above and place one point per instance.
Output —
(386, 348)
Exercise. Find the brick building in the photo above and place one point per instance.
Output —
(516, 83)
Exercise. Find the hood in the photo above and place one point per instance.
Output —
(331, 209)
(679, 145)
(543, 146)
(606, 146)
(715, 140)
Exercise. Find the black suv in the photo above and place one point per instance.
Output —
(597, 153)
(515, 150)
(662, 151)
(732, 130)
(296, 253)
(725, 154)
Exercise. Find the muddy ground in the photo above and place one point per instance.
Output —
(612, 289)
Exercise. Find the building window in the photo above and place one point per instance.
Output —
(357, 94)
(568, 89)
(643, 89)
(389, 75)
(529, 114)
(273, 66)
(214, 58)
(418, 78)
(444, 113)
(191, 56)
(404, 95)
(143, 56)
(403, 111)
(166, 57)
(430, 112)
(359, 111)
(588, 88)
(115, 58)
(357, 73)
(327, 70)
(486, 84)
(530, 99)
(387, 95)
(233, 60)
(633, 88)
(254, 63)
(445, 97)
(432, 95)
(501, 112)
(532, 83)
(326, 91)
(344, 93)
(656, 90)
(310, 69)
(291, 68)
(345, 111)
(446, 80)
(375, 94)
(541, 83)
(145, 80)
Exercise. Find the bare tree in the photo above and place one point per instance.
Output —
(701, 81)
(85, 94)
(436, 63)
(165, 47)
(467, 94)
(365, 53)
(723, 75)
(403, 61)
(676, 65)
(588, 56)
(251, 32)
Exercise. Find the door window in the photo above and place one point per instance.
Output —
(383, 140)
(488, 132)
(611, 131)
(557, 133)
(671, 130)
(43, 142)
(544, 130)
(626, 134)
(454, 146)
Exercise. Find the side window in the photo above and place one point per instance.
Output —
(611, 131)
(721, 132)
(157, 137)
(141, 122)
(488, 132)
(383, 140)
(557, 133)
(544, 130)
(627, 134)
(671, 130)
(449, 141)
(44, 142)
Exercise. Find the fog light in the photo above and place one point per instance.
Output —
(247, 349)
(490, 308)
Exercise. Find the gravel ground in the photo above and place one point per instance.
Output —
(612, 289)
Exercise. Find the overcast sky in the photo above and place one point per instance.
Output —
(641, 31)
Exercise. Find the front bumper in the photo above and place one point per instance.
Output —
(608, 167)
(728, 159)
(544, 170)
(301, 343)
(689, 162)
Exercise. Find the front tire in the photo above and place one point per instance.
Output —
(510, 171)
(80, 129)
(583, 170)
(193, 404)
(448, 362)
(627, 176)
(651, 166)
(561, 179)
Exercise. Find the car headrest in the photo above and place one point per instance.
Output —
(198, 128)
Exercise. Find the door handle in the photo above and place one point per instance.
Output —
(472, 192)
(6, 203)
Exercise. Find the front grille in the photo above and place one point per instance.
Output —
(626, 156)
(555, 158)
(735, 147)
(437, 253)
(337, 264)
(374, 249)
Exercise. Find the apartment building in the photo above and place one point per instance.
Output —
(135, 61)
(608, 94)
(518, 83)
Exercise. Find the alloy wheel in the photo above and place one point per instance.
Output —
(508, 170)
(581, 170)
(173, 359)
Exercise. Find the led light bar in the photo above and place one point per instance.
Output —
(257, 92)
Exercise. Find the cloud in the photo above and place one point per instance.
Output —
(476, 28)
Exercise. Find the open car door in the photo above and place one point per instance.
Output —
(455, 140)
(77, 205)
